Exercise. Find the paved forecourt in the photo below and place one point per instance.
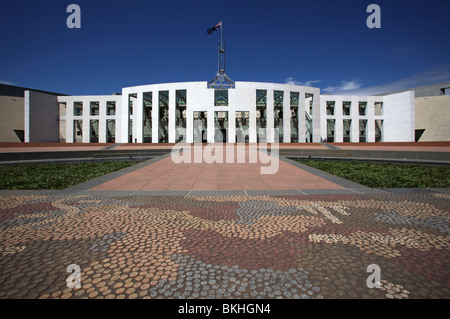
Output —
(242, 169)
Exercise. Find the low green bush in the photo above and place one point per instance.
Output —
(386, 175)
(54, 176)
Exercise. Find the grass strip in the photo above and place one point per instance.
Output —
(54, 176)
(385, 175)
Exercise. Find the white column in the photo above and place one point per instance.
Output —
(102, 121)
(252, 126)
(172, 114)
(86, 122)
(138, 113)
(301, 118)
(338, 125)
(287, 117)
(231, 127)
(122, 119)
(155, 116)
(323, 117)
(354, 112)
(210, 127)
(316, 118)
(370, 133)
(270, 114)
(189, 125)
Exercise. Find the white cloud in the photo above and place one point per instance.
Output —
(6, 82)
(292, 81)
(433, 76)
(344, 86)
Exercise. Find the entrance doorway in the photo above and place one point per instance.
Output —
(220, 126)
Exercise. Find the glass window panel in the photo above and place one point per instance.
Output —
(94, 107)
(294, 116)
(347, 130)
(346, 108)
(131, 100)
(261, 116)
(111, 108)
(77, 131)
(278, 115)
(163, 128)
(93, 136)
(378, 130)
(261, 98)
(147, 118)
(77, 108)
(378, 108)
(363, 131)
(242, 125)
(330, 130)
(221, 126)
(362, 108)
(309, 102)
(330, 107)
(180, 115)
(110, 131)
(220, 97)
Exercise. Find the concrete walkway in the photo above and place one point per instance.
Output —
(224, 175)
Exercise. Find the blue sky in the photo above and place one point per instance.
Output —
(323, 43)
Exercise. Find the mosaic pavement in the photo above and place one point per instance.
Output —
(316, 246)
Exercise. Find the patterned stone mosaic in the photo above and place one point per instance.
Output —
(291, 247)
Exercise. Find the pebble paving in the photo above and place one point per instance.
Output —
(218, 247)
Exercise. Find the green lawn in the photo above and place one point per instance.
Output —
(384, 175)
(54, 176)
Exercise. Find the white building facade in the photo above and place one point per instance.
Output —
(251, 112)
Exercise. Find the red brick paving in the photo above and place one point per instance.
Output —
(167, 175)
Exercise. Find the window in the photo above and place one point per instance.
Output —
(261, 98)
(378, 108)
(362, 108)
(261, 107)
(93, 131)
(147, 109)
(330, 130)
(77, 131)
(111, 108)
(347, 130)
(77, 108)
(110, 131)
(294, 116)
(378, 130)
(180, 115)
(330, 107)
(220, 97)
(278, 114)
(94, 107)
(362, 131)
(242, 123)
(294, 99)
(346, 108)
(131, 100)
(309, 102)
(163, 117)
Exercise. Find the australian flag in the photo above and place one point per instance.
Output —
(215, 28)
